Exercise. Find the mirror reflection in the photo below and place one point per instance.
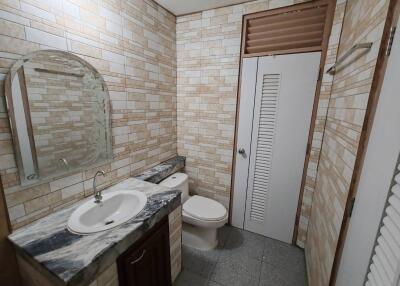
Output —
(59, 113)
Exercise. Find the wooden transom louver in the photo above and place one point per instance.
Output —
(298, 28)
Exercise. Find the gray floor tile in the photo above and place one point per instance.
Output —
(212, 283)
(187, 278)
(284, 256)
(237, 271)
(199, 262)
(243, 244)
(223, 235)
(243, 258)
(272, 275)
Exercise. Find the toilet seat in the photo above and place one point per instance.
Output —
(201, 216)
(204, 213)
(208, 224)
(204, 209)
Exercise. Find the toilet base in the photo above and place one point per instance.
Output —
(199, 237)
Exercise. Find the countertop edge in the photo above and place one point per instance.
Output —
(105, 258)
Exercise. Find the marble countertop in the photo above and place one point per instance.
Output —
(73, 259)
(163, 170)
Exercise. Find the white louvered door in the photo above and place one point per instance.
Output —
(284, 95)
(385, 263)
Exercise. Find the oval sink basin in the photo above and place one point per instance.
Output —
(116, 208)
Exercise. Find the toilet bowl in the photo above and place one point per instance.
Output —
(201, 216)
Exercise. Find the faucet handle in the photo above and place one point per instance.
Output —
(99, 172)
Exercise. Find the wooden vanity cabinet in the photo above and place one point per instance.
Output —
(147, 262)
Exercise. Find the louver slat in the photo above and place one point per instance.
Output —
(266, 133)
(294, 30)
(285, 31)
(385, 264)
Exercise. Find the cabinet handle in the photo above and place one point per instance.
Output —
(139, 258)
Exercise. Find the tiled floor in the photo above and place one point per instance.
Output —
(243, 259)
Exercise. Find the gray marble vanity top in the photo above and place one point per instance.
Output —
(73, 259)
(163, 170)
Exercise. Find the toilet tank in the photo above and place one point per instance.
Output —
(178, 181)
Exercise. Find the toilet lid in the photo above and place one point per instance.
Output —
(204, 208)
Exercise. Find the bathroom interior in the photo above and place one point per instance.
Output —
(199, 143)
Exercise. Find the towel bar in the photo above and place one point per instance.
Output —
(332, 69)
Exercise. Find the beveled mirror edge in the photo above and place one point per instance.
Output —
(26, 111)
(14, 134)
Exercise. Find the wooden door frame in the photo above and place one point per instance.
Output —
(377, 82)
(323, 50)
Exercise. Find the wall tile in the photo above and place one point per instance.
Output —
(44, 38)
(12, 29)
(16, 212)
(72, 190)
(41, 13)
(71, 9)
(13, 18)
(132, 44)
(348, 95)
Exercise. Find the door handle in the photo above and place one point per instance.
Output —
(241, 151)
(139, 258)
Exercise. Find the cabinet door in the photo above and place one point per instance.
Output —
(147, 264)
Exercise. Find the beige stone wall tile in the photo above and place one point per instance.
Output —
(12, 29)
(42, 202)
(132, 44)
(22, 196)
(16, 212)
(16, 46)
(175, 234)
(348, 94)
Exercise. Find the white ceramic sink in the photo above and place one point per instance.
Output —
(116, 208)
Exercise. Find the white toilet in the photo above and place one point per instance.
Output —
(201, 216)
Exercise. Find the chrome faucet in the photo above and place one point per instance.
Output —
(97, 194)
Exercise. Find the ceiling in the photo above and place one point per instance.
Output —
(182, 7)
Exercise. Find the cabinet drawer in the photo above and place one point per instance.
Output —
(147, 262)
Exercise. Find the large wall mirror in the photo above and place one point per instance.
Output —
(58, 106)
